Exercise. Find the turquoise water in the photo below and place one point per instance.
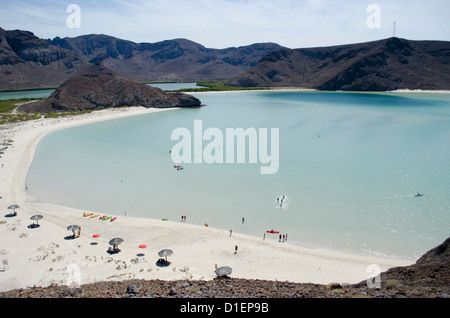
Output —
(44, 93)
(350, 165)
(175, 86)
(38, 93)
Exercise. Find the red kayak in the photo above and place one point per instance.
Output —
(273, 232)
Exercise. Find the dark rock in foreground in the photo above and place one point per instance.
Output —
(102, 88)
(430, 272)
(428, 278)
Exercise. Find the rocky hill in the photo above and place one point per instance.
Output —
(27, 61)
(428, 278)
(171, 60)
(388, 64)
(99, 87)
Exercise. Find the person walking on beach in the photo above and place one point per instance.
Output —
(243, 220)
(235, 249)
(231, 232)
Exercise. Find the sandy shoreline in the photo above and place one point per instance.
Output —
(42, 256)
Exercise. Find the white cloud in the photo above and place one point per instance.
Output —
(224, 23)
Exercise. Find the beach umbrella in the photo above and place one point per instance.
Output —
(165, 253)
(116, 241)
(13, 207)
(36, 218)
(223, 271)
(73, 227)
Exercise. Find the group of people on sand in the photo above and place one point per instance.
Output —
(282, 238)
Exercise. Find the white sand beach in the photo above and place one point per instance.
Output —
(42, 256)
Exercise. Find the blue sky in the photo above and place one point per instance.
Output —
(225, 23)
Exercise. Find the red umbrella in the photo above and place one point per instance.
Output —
(96, 235)
(142, 246)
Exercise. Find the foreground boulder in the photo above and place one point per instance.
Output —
(430, 275)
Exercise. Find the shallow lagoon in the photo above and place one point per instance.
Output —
(350, 165)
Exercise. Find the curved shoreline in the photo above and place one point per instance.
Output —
(197, 250)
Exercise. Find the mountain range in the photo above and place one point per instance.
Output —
(27, 61)
(383, 65)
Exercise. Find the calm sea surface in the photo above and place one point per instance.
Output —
(350, 166)
(44, 93)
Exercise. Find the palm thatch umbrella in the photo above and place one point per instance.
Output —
(165, 253)
(116, 241)
(223, 271)
(36, 218)
(13, 207)
(73, 227)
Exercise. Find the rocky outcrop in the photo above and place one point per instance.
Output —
(27, 61)
(384, 65)
(103, 88)
(431, 270)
